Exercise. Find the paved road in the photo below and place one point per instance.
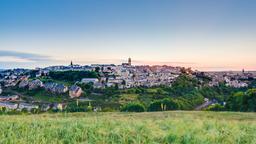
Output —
(204, 105)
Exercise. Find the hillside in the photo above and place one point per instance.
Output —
(158, 127)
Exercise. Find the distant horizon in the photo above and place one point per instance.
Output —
(205, 35)
(123, 61)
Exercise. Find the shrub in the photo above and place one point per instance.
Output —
(216, 107)
(163, 105)
(133, 107)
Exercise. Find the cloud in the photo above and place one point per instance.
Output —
(22, 57)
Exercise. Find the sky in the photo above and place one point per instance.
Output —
(202, 34)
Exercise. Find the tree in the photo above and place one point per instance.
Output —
(97, 69)
(249, 102)
(242, 101)
(235, 102)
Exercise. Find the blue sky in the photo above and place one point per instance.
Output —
(203, 34)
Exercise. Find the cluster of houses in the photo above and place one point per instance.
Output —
(128, 76)
(12, 103)
(123, 76)
(28, 107)
(232, 79)
(74, 90)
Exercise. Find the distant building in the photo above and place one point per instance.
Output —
(55, 87)
(23, 84)
(9, 98)
(129, 62)
(75, 91)
(90, 80)
(35, 84)
(71, 64)
(27, 106)
(1, 90)
(9, 105)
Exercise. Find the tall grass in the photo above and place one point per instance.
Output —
(143, 128)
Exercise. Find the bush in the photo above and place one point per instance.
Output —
(76, 107)
(163, 105)
(216, 107)
(133, 107)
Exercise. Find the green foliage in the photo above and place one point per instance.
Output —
(87, 88)
(35, 111)
(72, 76)
(216, 107)
(89, 107)
(133, 107)
(77, 107)
(107, 109)
(42, 95)
(243, 101)
(183, 85)
(235, 102)
(164, 105)
(32, 73)
(211, 93)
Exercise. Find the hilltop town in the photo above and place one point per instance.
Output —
(71, 82)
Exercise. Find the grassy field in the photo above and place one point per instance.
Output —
(138, 128)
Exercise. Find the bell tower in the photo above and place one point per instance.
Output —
(129, 61)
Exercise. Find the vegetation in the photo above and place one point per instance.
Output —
(216, 107)
(243, 101)
(133, 107)
(163, 105)
(160, 127)
(72, 76)
(186, 93)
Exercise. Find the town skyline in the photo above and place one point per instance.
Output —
(130, 62)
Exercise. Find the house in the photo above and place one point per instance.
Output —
(55, 87)
(9, 105)
(49, 86)
(75, 91)
(23, 84)
(89, 80)
(9, 98)
(98, 85)
(60, 88)
(58, 106)
(34, 84)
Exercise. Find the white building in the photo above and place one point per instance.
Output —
(90, 80)
(9, 105)
(1, 90)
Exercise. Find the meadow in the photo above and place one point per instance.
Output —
(141, 128)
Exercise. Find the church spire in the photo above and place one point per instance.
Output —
(71, 64)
